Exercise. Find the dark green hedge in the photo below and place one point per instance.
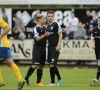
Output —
(49, 6)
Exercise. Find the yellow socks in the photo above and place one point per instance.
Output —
(17, 72)
(1, 79)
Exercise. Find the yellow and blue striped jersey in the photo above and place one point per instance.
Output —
(4, 41)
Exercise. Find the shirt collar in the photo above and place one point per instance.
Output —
(39, 26)
(51, 23)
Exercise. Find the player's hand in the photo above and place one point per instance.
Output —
(47, 34)
(93, 46)
(58, 48)
(91, 21)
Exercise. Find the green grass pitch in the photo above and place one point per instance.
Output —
(73, 79)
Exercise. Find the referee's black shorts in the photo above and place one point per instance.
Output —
(53, 56)
(38, 56)
(97, 53)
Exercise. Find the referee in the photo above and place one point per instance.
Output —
(54, 47)
(96, 36)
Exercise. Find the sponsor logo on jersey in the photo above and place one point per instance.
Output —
(52, 28)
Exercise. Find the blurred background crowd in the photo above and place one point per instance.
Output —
(76, 29)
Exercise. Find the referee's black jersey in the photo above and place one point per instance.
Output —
(54, 28)
(96, 35)
(38, 31)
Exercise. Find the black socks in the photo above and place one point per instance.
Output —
(52, 74)
(29, 73)
(39, 75)
(98, 73)
(53, 71)
(57, 73)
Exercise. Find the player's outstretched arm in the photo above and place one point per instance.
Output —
(6, 30)
(38, 38)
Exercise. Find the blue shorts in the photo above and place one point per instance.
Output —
(5, 52)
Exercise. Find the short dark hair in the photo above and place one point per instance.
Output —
(3, 10)
(38, 16)
(50, 12)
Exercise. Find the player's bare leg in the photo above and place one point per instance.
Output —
(16, 71)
